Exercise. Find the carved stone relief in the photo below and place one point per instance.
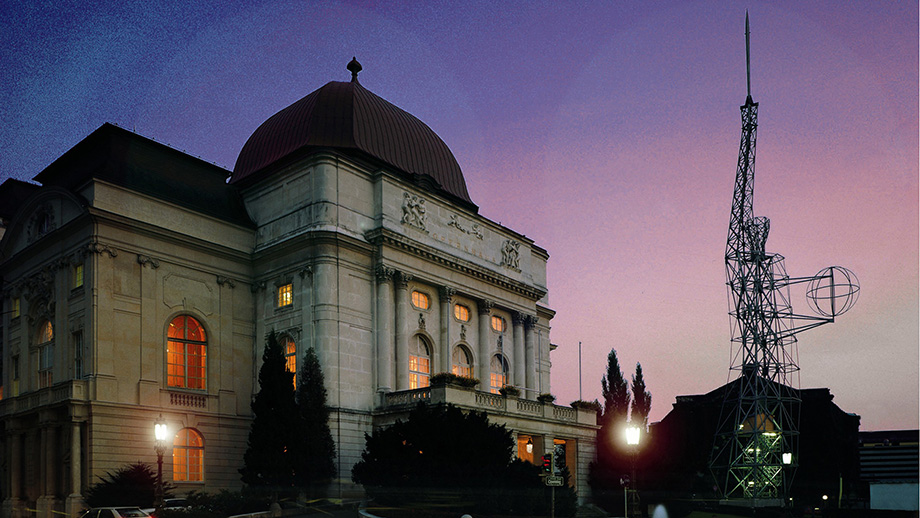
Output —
(145, 261)
(511, 255)
(474, 230)
(99, 248)
(188, 293)
(414, 211)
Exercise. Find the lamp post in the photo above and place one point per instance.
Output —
(632, 439)
(160, 432)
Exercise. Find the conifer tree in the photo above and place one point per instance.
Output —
(611, 466)
(314, 449)
(642, 400)
(615, 391)
(268, 462)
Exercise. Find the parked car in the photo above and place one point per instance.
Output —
(115, 512)
(173, 504)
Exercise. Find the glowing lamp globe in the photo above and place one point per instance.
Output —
(832, 291)
(632, 435)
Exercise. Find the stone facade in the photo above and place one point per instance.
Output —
(330, 250)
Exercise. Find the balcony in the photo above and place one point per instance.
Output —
(59, 392)
(510, 406)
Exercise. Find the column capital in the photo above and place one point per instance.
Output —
(402, 280)
(384, 273)
(530, 321)
(446, 293)
(517, 318)
(485, 306)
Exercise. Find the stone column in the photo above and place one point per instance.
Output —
(75, 499)
(402, 330)
(530, 357)
(47, 470)
(482, 369)
(13, 452)
(517, 331)
(384, 329)
(446, 294)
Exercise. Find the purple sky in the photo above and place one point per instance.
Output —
(606, 131)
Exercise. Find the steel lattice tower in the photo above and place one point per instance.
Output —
(756, 445)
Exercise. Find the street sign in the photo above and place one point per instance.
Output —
(554, 480)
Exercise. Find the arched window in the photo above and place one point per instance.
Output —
(186, 353)
(499, 373)
(461, 360)
(290, 356)
(419, 362)
(188, 456)
(45, 354)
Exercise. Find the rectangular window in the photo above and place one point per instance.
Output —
(78, 354)
(14, 308)
(420, 300)
(77, 276)
(285, 295)
(45, 365)
(461, 313)
(498, 324)
(14, 390)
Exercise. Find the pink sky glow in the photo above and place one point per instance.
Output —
(606, 131)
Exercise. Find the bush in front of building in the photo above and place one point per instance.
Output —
(131, 485)
(447, 459)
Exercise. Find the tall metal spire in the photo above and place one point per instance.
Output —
(747, 52)
(755, 450)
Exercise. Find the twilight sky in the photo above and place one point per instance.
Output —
(606, 131)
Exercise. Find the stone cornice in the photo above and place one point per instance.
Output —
(384, 237)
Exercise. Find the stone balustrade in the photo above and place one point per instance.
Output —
(487, 402)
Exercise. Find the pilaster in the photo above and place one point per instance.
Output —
(402, 330)
(384, 328)
(482, 369)
(446, 294)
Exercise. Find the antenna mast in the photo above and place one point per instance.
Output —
(747, 51)
(755, 452)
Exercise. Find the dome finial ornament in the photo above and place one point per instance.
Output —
(354, 67)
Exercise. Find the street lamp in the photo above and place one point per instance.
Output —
(160, 433)
(632, 439)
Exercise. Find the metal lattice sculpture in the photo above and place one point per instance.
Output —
(755, 452)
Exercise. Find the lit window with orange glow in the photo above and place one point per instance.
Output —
(14, 308)
(290, 356)
(498, 377)
(420, 300)
(419, 362)
(188, 456)
(285, 295)
(498, 324)
(461, 313)
(186, 354)
(45, 354)
(462, 364)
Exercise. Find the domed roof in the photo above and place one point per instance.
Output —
(348, 117)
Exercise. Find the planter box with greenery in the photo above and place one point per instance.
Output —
(592, 406)
(448, 378)
(546, 398)
(510, 390)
